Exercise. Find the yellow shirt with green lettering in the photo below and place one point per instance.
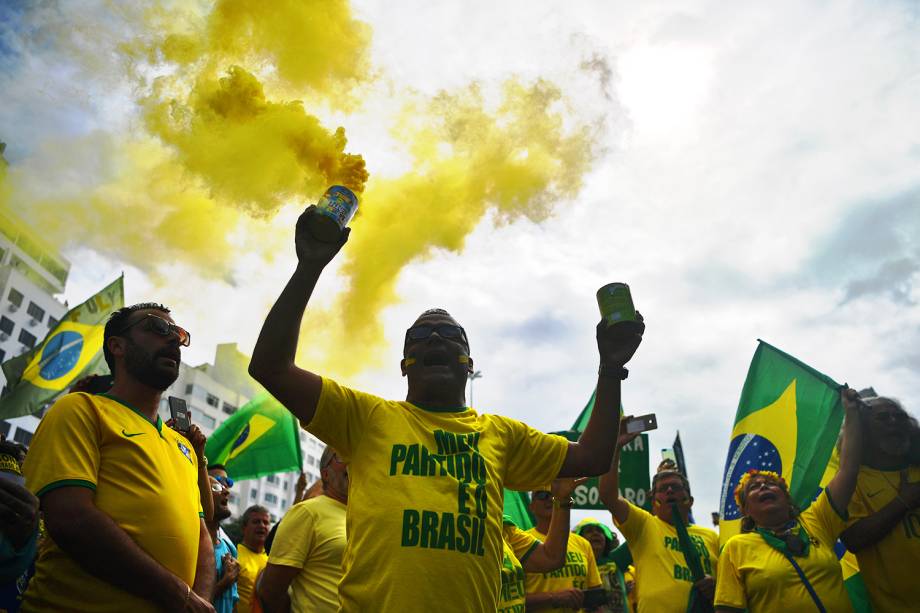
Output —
(755, 576)
(425, 497)
(888, 568)
(579, 571)
(143, 475)
(663, 580)
(312, 539)
(517, 545)
(251, 564)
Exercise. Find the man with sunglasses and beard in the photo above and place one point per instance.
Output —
(119, 490)
(426, 474)
(884, 513)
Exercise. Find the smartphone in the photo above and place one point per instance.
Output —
(643, 423)
(593, 598)
(178, 410)
(100, 384)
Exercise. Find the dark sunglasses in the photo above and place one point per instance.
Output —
(227, 482)
(542, 495)
(890, 416)
(160, 326)
(423, 331)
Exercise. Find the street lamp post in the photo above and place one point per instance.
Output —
(476, 374)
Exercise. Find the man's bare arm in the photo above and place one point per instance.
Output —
(592, 454)
(272, 362)
(273, 587)
(609, 485)
(205, 569)
(104, 550)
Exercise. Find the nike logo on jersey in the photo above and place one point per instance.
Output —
(130, 435)
(873, 494)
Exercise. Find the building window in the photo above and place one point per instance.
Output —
(284, 485)
(4, 427)
(2, 355)
(311, 460)
(16, 297)
(202, 419)
(27, 339)
(22, 436)
(189, 389)
(36, 312)
(213, 400)
(232, 498)
(283, 503)
(52, 322)
(229, 409)
(253, 495)
(271, 498)
(272, 479)
(6, 325)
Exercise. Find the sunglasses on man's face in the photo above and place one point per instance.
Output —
(423, 331)
(161, 327)
(227, 482)
(217, 487)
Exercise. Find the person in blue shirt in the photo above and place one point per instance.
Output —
(225, 556)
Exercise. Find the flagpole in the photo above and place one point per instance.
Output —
(476, 374)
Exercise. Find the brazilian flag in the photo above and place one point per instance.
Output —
(72, 350)
(787, 422)
(261, 438)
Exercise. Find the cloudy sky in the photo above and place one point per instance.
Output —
(755, 174)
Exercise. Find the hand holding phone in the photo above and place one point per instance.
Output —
(181, 417)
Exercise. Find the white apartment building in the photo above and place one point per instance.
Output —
(215, 391)
(32, 273)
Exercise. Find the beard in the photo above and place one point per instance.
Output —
(142, 366)
(221, 513)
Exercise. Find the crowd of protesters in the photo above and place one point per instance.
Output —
(112, 509)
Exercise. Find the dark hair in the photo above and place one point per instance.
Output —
(116, 324)
(912, 425)
(256, 508)
(217, 466)
(324, 460)
(669, 473)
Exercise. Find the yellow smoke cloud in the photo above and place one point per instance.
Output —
(518, 159)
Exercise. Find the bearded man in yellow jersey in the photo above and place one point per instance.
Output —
(884, 524)
(663, 579)
(424, 516)
(561, 589)
(252, 556)
(118, 490)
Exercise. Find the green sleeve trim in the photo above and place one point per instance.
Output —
(66, 483)
(201, 514)
(844, 516)
(526, 555)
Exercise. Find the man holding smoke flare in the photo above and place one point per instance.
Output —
(427, 473)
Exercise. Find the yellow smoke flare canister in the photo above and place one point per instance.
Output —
(334, 210)
(615, 303)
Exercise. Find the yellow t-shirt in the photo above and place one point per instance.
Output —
(579, 571)
(144, 476)
(755, 576)
(663, 580)
(889, 568)
(425, 495)
(251, 564)
(517, 545)
(312, 538)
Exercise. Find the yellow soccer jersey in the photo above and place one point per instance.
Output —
(755, 576)
(889, 568)
(517, 545)
(312, 538)
(663, 580)
(425, 495)
(145, 477)
(251, 564)
(579, 572)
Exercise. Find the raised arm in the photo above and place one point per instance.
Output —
(609, 486)
(272, 362)
(841, 487)
(103, 549)
(592, 453)
(550, 555)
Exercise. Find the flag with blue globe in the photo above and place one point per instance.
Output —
(72, 350)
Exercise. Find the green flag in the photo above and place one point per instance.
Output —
(73, 349)
(788, 421)
(516, 508)
(261, 438)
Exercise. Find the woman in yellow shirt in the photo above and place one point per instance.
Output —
(783, 560)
